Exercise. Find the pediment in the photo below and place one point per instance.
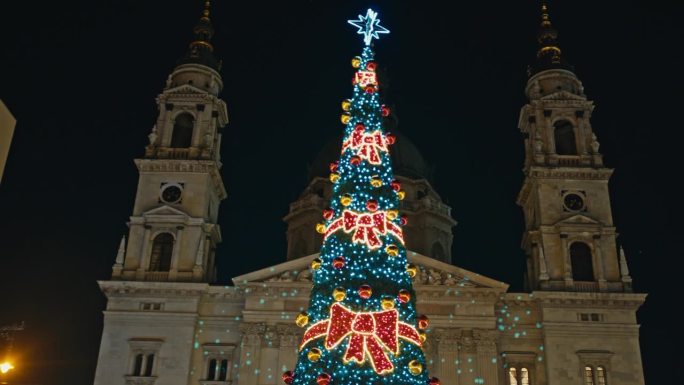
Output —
(578, 219)
(164, 211)
(431, 272)
(185, 89)
(563, 95)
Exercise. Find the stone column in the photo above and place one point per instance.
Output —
(173, 271)
(598, 257)
(567, 274)
(447, 354)
(144, 254)
(287, 353)
(487, 357)
(250, 352)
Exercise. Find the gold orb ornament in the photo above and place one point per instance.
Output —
(412, 270)
(346, 200)
(392, 250)
(334, 177)
(346, 105)
(320, 228)
(345, 118)
(422, 336)
(316, 264)
(392, 214)
(314, 354)
(415, 367)
(387, 303)
(401, 194)
(302, 319)
(339, 294)
(356, 62)
(376, 181)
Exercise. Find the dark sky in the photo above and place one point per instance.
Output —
(81, 78)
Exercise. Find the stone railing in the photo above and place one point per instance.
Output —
(586, 286)
(569, 160)
(157, 276)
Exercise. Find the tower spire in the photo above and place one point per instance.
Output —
(549, 52)
(200, 50)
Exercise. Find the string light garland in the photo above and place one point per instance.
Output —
(361, 326)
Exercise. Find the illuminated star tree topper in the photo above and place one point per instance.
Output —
(369, 26)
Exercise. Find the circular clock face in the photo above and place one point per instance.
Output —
(171, 194)
(573, 202)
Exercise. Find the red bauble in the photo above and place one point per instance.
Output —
(355, 160)
(323, 379)
(396, 185)
(423, 322)
(365, 291)
(434, 381)
(404, 220)
(371, 66)
(288, 377)
(334, 166)
(372, 205)
(359, 127)
(390, 138)
(338, 262)
(385, 111)
(328, 213)
(404, 296)
(370, 89)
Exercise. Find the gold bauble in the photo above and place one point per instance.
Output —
(392, 214)
(334, 177)
(316, 264)
(356, 62)
(415, 367)
(412, 270)
(392, 250)
(320, 228)
(345, 118)
(339, 294)
(346, 104)
(422, 336)
(401, 194)
(387, 303)
(376, 181)
(346, 200)
(302, 319)
(314, 354)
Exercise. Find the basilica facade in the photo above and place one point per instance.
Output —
(166, 324)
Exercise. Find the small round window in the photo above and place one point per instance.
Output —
(573, 202)
(171, 193)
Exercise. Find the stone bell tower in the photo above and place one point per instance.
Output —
(570, 238)
(173, 231)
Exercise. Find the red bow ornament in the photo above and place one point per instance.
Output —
(367, 145)
(367, 227)
(370, 334)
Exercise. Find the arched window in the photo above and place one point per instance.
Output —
(438, 251)
(601, 376)
(512, 376)
(182, 131)
(162, 248)
(223, 370)
(564, 135)
(581, 262)
(588, 375)
(137, 364)
(149, 365)
(211, 370)
(524, 376)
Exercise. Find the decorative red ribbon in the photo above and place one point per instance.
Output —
(370, 335)
(367, 227)
(367, 144)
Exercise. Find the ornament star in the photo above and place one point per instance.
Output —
(369, 26)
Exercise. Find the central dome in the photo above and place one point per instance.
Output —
(407, 161)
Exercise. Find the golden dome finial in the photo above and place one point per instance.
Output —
(546, 20)
(207, 6)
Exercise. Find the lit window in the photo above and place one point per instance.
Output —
(524, 377)
(588, 375)
(512, 376)
(601, 375)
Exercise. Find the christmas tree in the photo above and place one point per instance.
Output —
(361, 326)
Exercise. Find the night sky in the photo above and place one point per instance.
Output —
(81, 78)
